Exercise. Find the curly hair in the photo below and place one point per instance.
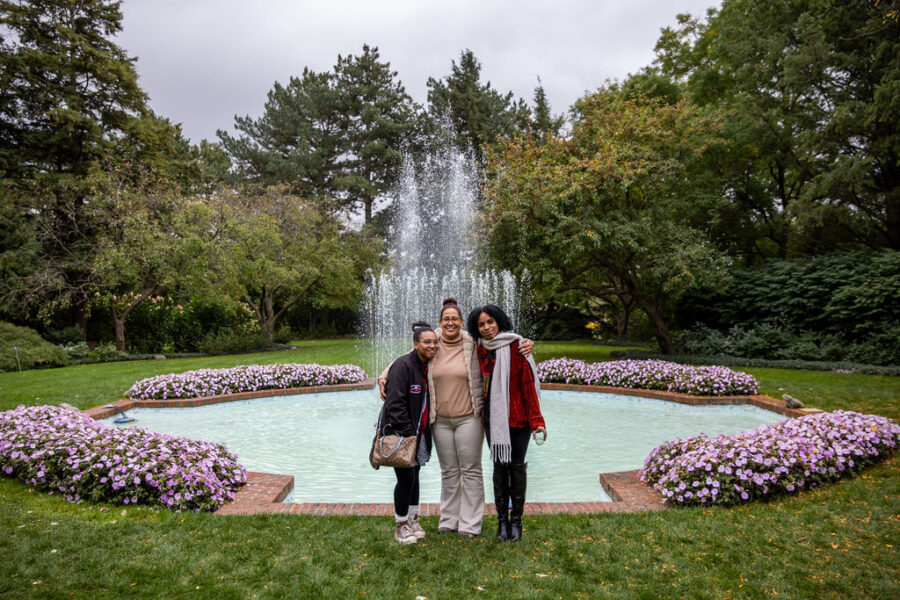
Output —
(504, 323)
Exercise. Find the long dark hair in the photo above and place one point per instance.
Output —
(418, 327)
(504, 323)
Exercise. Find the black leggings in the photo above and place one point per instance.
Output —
(406, 492)
(518, 437)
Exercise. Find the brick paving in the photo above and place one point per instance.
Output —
(264, 493)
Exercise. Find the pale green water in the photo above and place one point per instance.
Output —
(323, 440)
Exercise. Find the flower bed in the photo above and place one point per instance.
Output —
(783, 458)
(65, 451)
(650, 375)
(216, 382)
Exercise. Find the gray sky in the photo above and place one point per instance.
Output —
(204, 61)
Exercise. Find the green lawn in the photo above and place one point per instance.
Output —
(838, 542)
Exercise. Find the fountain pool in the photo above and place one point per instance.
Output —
(323, 440)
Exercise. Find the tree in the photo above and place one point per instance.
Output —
(377, 117)
(813, 87)
(544, 124)
(620, 208)
(275, 250)
(151, 246)
(71, 114)
(337, 134)
(477, 112)
(297, 140)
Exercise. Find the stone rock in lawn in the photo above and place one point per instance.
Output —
(792, 402)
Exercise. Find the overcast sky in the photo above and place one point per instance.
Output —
(204, 61)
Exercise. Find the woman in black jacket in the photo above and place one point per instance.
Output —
(406, 412)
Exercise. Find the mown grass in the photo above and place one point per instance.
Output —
(838, 542)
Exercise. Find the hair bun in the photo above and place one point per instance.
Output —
(451, 301)
(419, 325)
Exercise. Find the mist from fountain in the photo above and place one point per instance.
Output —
(433, 255)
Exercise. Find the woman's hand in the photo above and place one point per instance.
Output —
(381, 382)
(525, 346)
(540, 429)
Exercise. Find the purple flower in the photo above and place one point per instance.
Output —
(771, 460)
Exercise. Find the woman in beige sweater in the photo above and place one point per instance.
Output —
(454, 378)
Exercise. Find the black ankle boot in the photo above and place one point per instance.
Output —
(518, 478)
(501, 500)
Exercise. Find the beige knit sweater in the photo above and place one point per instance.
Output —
(476, 392)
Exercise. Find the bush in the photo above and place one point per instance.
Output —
(162, 325)
(66, 451)
(556, 322)
(82, 353)
(774, 342)
(852, 295)
(33, 350)
(783, 458)
(230, 341)
(214, 382)
(283, 335)
(66, 336)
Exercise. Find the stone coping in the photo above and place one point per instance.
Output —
(99, 412)
(264, 493)
(761, 401)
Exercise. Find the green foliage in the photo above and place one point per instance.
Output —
(849, 296)
(231, 341)
(152, 243)
(275, 250)
(477, 112)
(65, 336)
(163, 325)
(619, 209)
(334, 134)
(74, 129)
(811, 87)
(33, 350)
(555, 322)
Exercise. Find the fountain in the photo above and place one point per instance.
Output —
(433, 254)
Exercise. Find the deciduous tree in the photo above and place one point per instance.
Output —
(621, 207)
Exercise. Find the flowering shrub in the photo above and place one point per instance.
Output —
(214, 382)
(649, 375)
(65, 451)
(783, 458)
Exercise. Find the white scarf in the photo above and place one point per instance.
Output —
(501, 448)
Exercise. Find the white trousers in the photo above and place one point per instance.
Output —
(458, 442)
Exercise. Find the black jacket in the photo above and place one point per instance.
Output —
(406, 390)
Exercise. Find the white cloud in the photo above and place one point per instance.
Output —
(203, 61)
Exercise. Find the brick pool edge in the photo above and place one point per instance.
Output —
(264, 493)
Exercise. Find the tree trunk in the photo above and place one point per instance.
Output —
(367, 202)
(660, 328)
(270, 320)
(622, 316)
(119, 326)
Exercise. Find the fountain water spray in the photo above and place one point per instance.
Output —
(433, 254)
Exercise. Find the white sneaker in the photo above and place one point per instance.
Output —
(404, 534)
(416, 527)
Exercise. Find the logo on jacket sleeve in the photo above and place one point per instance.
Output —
(415, 389)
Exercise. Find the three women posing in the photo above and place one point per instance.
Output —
(456, 378)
